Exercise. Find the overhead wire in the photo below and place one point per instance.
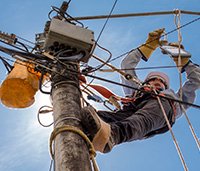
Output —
(143, 68)
(107, 18)
(116, 83)
(113, 82)
(106, 80)
(188, 23)
(7, 65)
(109, 60)
(124, 54)
(88, 84)
(23, 45)
(13, 46)
(25, 40)
(96, 42)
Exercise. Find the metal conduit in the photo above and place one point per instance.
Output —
(135, 15)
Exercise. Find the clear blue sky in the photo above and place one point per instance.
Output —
(24, 143)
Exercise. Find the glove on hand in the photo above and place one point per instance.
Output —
(152, 43)
(184, 61)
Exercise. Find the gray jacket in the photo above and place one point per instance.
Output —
(188, 89)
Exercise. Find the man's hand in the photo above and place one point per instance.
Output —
(184, 61)
(153, 40)
(152, 43)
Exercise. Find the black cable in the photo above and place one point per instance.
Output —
(35, 58)
(13, 46)
(106, 21)
(98, 67)
(23, 45)
(17, 46)
(7, 65)
(24, 54)
(88, 84)
(130, 51)
(69, 2)
(25, 40)
(96, 42)
(143, 68)
(56, 9)
(40, 84)
(116, 83)
(50, 14)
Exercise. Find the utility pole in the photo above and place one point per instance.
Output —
(70, 150)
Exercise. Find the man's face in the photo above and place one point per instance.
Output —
(157, 83)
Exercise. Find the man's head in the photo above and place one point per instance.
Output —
(157, 79)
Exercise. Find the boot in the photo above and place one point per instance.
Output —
(99, 131)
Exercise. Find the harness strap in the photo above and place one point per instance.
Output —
(144, 96)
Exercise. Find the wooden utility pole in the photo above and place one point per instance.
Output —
(70, 149)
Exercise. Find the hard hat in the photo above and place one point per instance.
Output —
(160, 75)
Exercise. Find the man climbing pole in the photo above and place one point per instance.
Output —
(142, 118)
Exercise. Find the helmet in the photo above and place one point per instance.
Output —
(160, 75)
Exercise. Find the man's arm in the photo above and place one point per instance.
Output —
(144, 51)
(130, 62)
(189, 87)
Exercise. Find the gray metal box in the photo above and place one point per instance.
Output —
(71, 35)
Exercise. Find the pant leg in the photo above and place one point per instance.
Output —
(148, 117)
(111, 117)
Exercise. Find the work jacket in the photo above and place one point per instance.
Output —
(188, 89)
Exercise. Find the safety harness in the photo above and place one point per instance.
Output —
(139, 97)
(134, 100)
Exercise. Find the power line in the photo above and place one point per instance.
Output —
(116, 83)
(159, 38)
(113, 82)
(159, 67)
(125, 54)
(108, 17)
(96, 42)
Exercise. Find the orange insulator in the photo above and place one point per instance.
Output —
(19, 87)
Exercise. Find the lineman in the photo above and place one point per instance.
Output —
(142, 118)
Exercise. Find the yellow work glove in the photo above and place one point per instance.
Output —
(184, 61)
(152, 43)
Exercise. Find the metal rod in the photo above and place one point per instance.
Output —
(135, 15)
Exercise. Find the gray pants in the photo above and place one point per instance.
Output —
(138, 120)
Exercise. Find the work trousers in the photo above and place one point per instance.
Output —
(137, 120)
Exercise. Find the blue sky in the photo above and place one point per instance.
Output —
(24, 143)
